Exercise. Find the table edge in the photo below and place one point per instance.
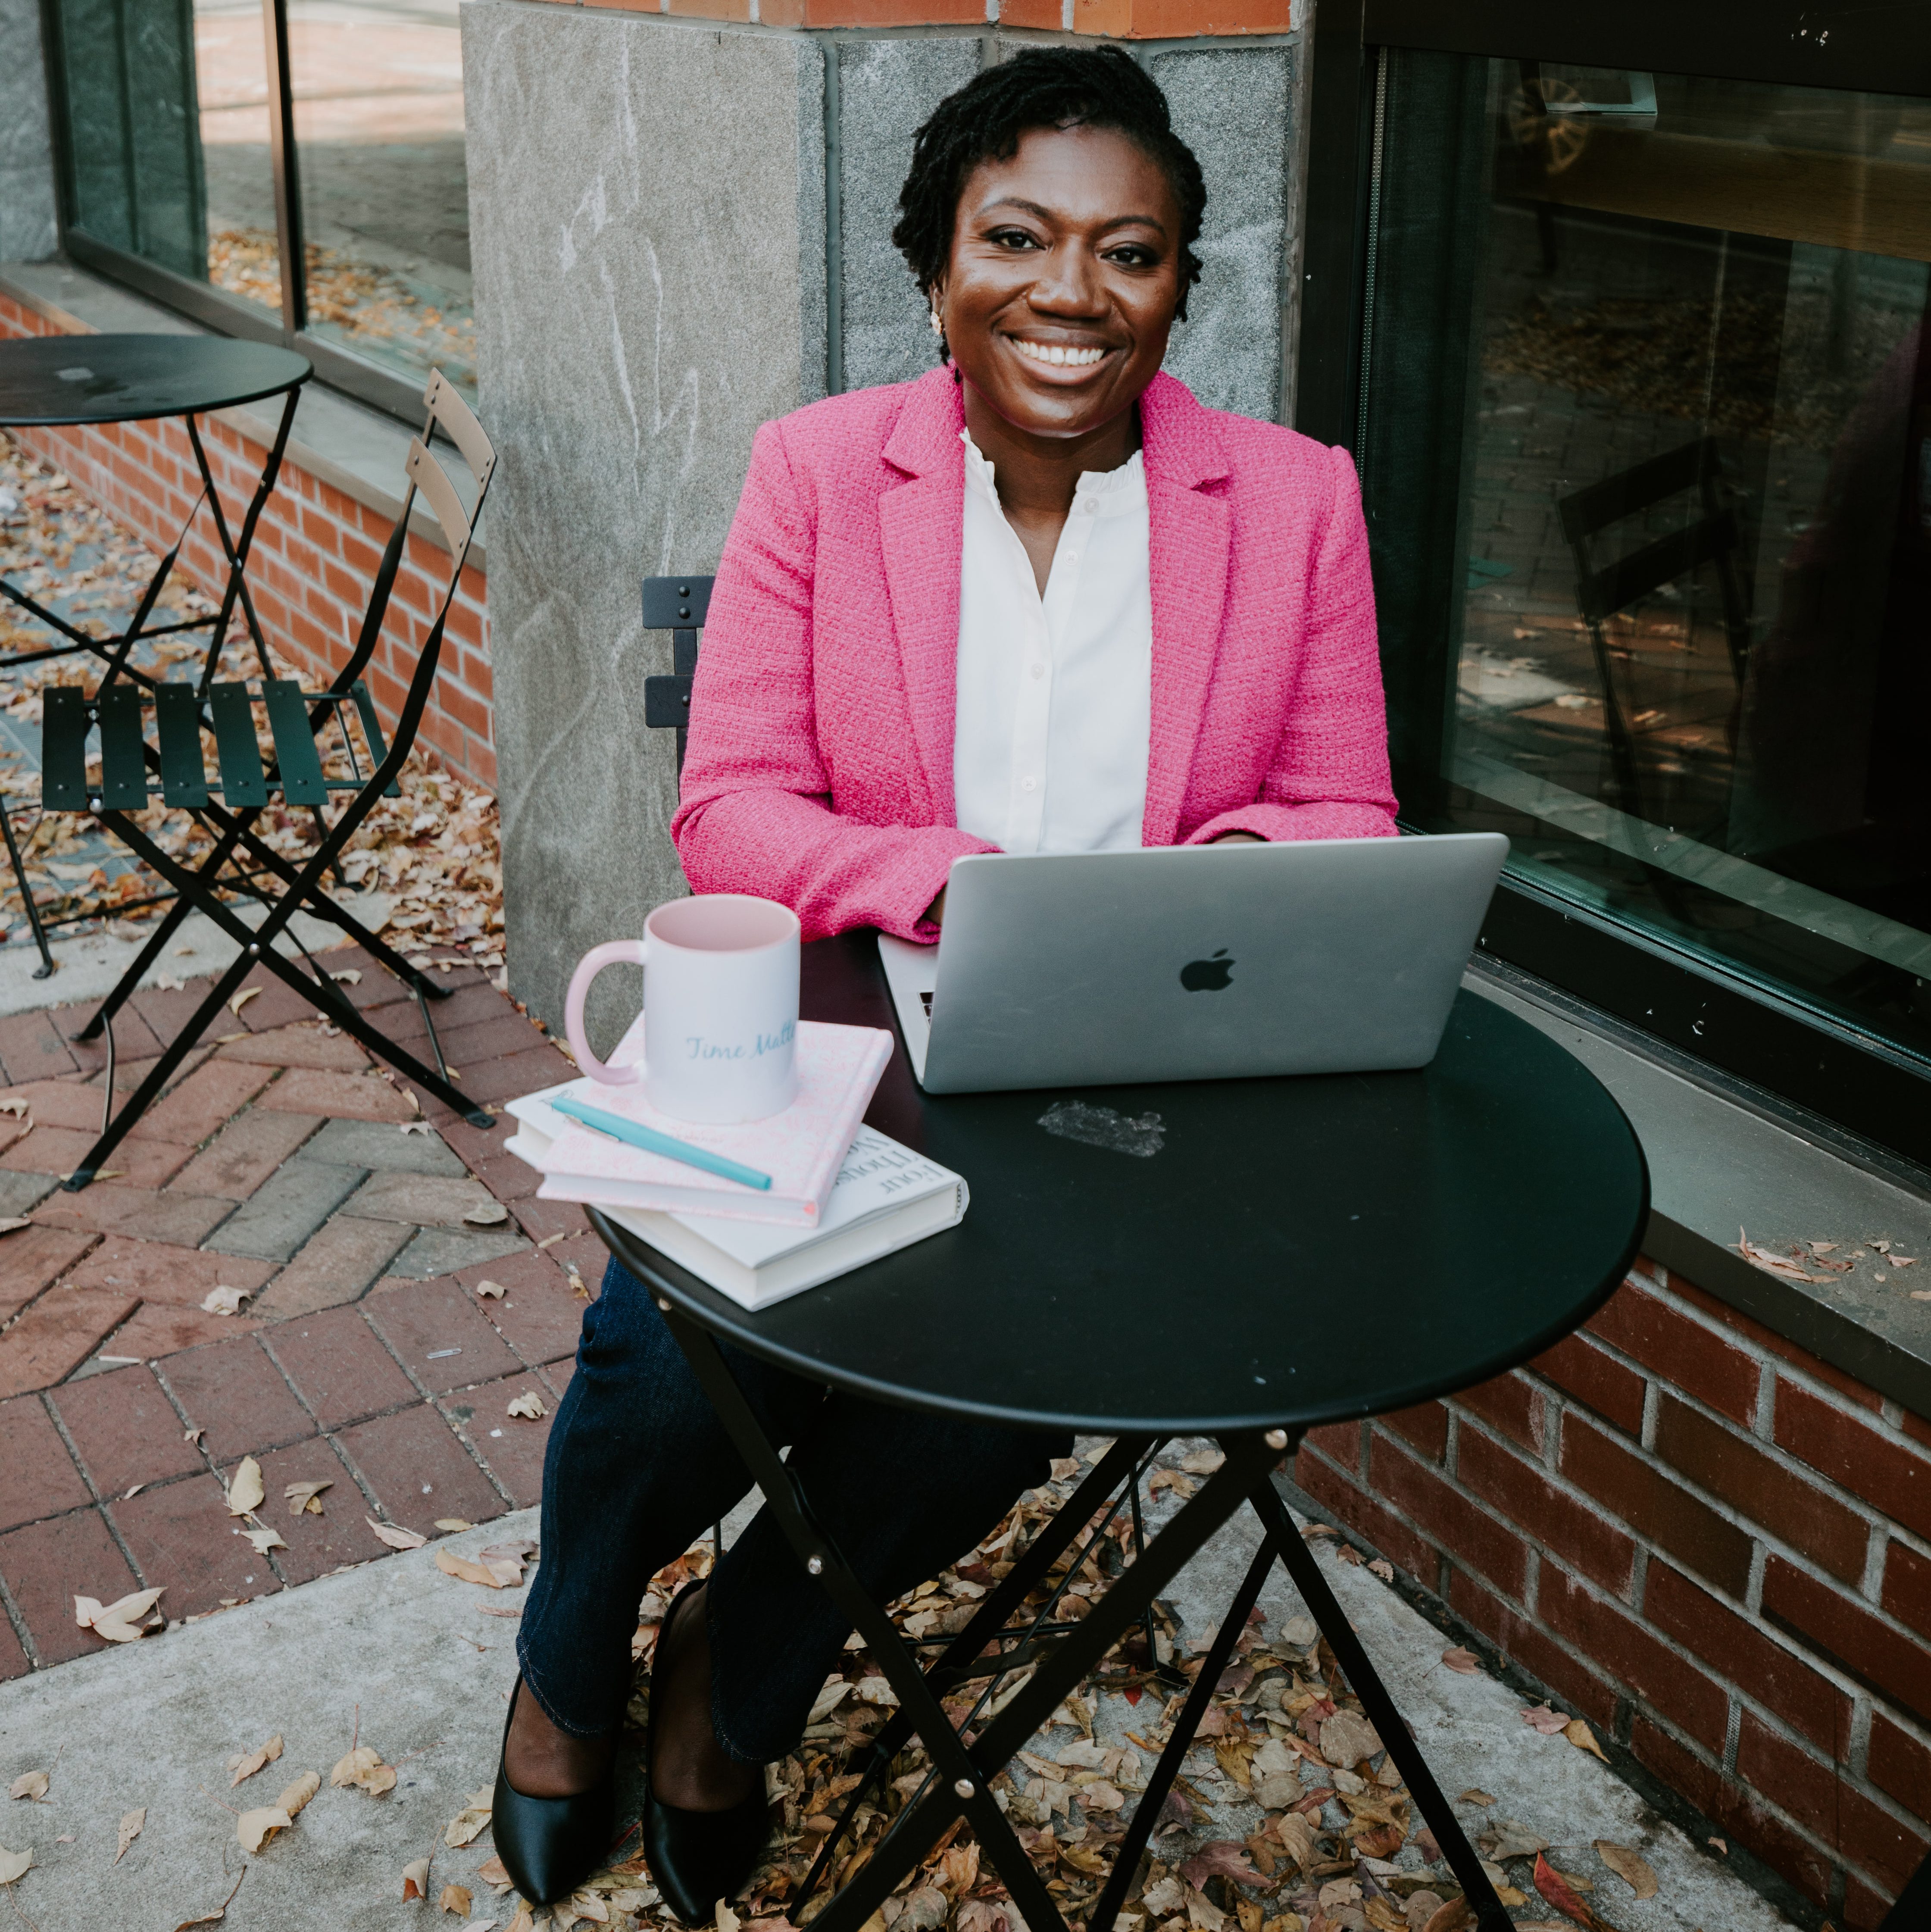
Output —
(643, 1262)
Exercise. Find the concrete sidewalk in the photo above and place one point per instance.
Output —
(411, 1655)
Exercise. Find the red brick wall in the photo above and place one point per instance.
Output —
(315, 555)
(1712, 1545)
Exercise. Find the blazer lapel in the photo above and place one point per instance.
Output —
(920, 523)
(1190, 531)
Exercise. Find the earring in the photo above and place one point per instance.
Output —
(938, 327)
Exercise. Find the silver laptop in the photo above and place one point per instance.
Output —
(1328, 956)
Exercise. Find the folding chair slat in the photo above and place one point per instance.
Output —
(302, 780)
(177, 725)
(372, 728)
(64, 749)
(124, 768)
(243, 782)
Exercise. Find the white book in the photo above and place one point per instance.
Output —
(885, 1198)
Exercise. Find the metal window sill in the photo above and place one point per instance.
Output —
(1725, 1155)
(355, 449)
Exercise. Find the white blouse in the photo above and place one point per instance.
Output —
(1055, 694)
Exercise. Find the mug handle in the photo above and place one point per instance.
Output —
(612, 952)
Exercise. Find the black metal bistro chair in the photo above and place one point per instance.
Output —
(136, 769)
(679, 605)
(1602, 590)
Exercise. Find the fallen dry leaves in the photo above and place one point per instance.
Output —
(245, 1764)
(225, 1301)
(415, 1879)
(255, 1828)
(1556, 1888)
(1629, 1865)
(133, 1823)
(364, 1769)
(491, 1576)
(455, 1899)
(30, 1785)
(1465, 1661)
(528, 1406)
(395, 1536)
(121, 1621)
(469, 1822)
(14, 1864)
(1582, 1738)
(300, 1496)
(246, 1493)
(295, 1795)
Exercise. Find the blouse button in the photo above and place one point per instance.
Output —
(1029, 785)
(1038, 671)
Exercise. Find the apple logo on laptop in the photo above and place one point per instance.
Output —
(1207, 975)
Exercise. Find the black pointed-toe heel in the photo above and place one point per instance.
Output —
(549, 1845)
(697, 1858)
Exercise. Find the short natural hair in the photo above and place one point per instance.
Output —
(1041, 87)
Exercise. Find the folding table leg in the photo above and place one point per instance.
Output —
(1153, 1798)
(964, 1773)
(1300, 1564)
(922, 1823)
(45, 967)
(235, 550)
(959, 1661)
(785, 1497)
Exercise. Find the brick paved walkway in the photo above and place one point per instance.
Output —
(277, 1163)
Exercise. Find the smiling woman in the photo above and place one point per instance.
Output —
(1039, 600)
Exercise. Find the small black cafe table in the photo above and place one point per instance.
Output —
(1295, 1252)
(52, 382)
(64, 381)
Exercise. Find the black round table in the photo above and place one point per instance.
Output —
(1298, 1251)
(52, 382)
(56, 381)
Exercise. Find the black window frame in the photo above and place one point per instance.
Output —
(1821, 1064)
(395, 395)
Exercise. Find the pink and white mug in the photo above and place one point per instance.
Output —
(720, 1008)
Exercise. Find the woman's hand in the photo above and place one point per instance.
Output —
(1227, 838)
(936, 911)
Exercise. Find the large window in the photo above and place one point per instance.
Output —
(292, 168)
(1642, 405)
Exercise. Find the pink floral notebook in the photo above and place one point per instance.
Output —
(838, 1069)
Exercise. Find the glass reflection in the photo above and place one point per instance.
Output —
(1679, 492)
(378, 88)
(243, 254)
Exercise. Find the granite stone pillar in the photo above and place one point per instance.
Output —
(647, 233)
(27, 229)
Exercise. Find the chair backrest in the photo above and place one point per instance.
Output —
(1712, 537)
(445, 410)
(679, 605)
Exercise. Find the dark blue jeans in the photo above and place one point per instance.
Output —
(639, 1467)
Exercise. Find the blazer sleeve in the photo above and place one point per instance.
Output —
(1330, 776)
(754, 813)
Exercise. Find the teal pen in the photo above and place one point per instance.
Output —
(652, 1142)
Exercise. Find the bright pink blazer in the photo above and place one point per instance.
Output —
(820, 765)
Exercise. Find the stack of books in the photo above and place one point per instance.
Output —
(835, 1193)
